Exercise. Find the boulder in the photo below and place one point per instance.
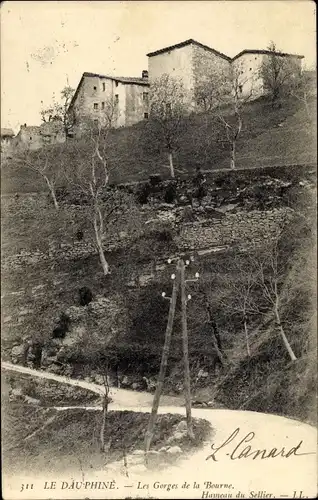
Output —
(136, 386)
(31, 401)
(16, 393)
(18, 354)
(181, 426)
(174, 450)
(176, 436)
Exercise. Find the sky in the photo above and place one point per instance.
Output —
(48, 44)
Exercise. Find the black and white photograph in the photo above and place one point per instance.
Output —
(158, 249)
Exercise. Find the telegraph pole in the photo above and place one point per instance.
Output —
(185, 344)
(164, 359)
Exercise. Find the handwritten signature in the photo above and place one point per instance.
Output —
(240, 451)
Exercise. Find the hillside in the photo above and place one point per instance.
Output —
(124, 323)
(269, 137)
(38, 436)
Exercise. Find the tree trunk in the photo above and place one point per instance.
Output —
(163, 365)
(105, 446)
(187, 383)
(233, 152)
(171, 163)
(285, 340)
(99, 245)
(247, 339)
(51, 188)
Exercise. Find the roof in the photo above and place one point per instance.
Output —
(7, 132)
(184, 44)
(268, 52)
(220, 54)
(122, 79)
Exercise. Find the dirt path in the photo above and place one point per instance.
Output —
(279, 476)
(121, 397)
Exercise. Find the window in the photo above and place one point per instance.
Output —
(95, 105)
(95, 88)
(104, 86)
(145, 96)
(250, 69)
(146, 116)
(103, 105)
(116, 84)
(116, 98)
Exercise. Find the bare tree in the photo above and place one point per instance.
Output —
(87, 169)
(58, 110)
(168, 112)
(105, 447)
(271, 280)
(302, 88)
(238, 296)
(278, 72)
(46, 162)
(230, 107)
(220, 95)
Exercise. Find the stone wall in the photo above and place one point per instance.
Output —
(238, 229)
(208, 229)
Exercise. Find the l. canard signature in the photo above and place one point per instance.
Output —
(244, 450)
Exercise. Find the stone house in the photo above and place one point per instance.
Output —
(188, 61)
(248, 64)
(191, 61)
(35, 137)
(122, 100)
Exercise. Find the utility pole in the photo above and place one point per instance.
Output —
(185, 344)
(164, 359)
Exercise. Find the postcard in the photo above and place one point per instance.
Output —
(158, 252)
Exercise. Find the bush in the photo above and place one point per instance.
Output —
(85, 296)
(170, 192)
(143, 193)
(62, 327)
(154, 180)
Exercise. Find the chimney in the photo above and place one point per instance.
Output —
(144, 74)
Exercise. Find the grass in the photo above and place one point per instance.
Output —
(69, 440)
(269, 137)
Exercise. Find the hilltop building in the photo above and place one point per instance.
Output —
(122, 100)
(248, 64)
(35, 137)
(189, 61)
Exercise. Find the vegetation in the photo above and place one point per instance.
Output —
(73, 436)
(269, 137)
(251, 321)
(58, 110)
(169, 111)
